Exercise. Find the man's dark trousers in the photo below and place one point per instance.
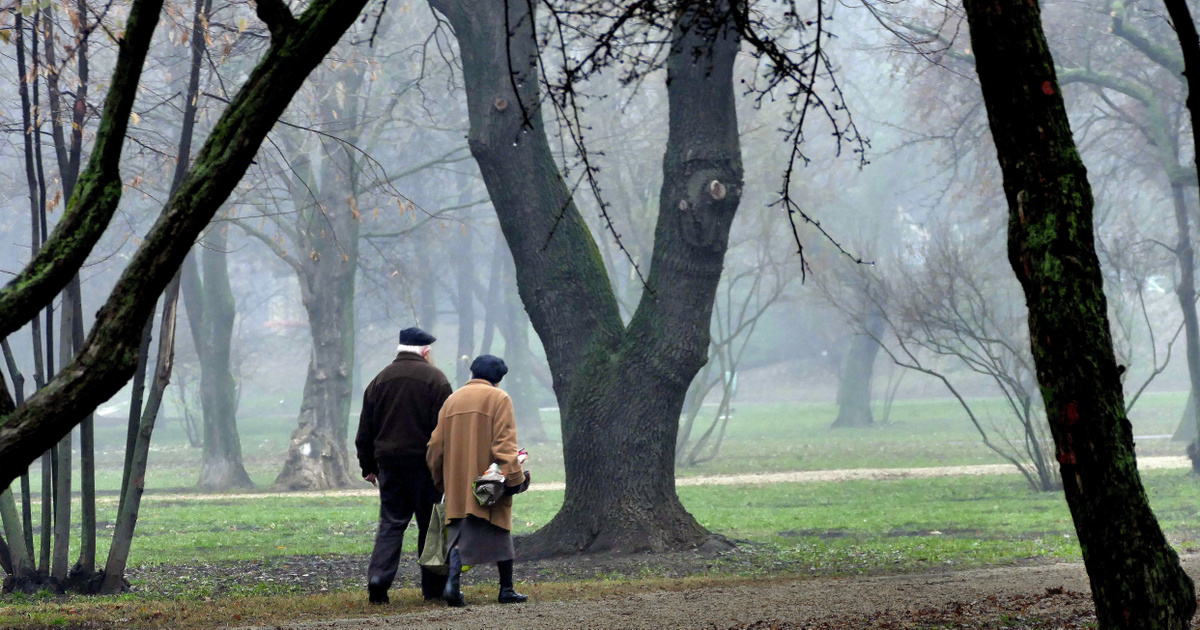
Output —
(404, 490)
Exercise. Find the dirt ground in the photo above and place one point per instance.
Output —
(1045, 596)
(1010, 597)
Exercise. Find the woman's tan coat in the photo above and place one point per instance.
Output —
(475, 428)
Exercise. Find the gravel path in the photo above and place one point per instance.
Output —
(804, 476)
(855, 602)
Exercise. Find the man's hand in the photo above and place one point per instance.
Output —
(371, 479)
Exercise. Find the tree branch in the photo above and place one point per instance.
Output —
(278, 18)
(97, 191)
(109, 356)
(1160, 55)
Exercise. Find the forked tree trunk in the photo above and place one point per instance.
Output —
(621, 390)
(1136, 578)
(854, 385)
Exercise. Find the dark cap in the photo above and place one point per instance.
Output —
(415, 337)
(488, 368)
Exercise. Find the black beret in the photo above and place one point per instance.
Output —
(488, 368)
(415, 337)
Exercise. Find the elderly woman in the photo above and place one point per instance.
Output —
(476, 429)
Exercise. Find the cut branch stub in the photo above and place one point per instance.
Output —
(716, 189)
(501, 103)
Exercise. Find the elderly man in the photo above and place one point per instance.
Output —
(475, 430)
(399, 412)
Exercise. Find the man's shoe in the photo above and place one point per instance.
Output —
(377, 594)
(508, 595)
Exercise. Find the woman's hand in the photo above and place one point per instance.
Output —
(519, 488)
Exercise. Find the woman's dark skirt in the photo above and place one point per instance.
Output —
(478, 541)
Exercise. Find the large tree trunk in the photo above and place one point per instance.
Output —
(1136, 578)
(210, 307)
(317, 458)
(620, 390)
(854, 385)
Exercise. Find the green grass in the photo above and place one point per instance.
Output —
(785, 529)
(847, 526)
(760, 438)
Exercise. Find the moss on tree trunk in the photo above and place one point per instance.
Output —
(621, 388)
(1136, 578)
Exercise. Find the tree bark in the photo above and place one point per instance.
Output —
(1136, 578)
(620, 390)
(1187, 430)
(21, 561)
(109, 355)
(854, 386)
(131, 493)
(317, 458)
(1186, 292)
(135, 407)
(62, 474)
(18, 380)
(211, 312)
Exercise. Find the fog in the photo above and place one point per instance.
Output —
(368, 172)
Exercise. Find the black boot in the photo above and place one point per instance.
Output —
(508, 595)
(377, 592)
(452, 594)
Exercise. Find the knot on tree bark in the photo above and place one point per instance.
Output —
(705, 212)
